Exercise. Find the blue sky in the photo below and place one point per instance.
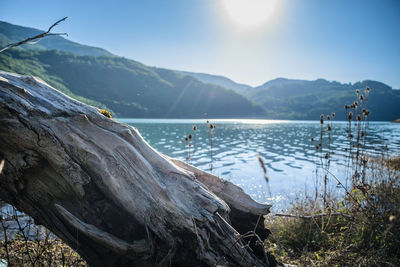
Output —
(342, 40)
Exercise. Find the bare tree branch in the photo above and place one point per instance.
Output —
(36, 38)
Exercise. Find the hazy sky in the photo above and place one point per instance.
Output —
(342, 40)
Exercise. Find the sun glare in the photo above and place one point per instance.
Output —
(249, 13)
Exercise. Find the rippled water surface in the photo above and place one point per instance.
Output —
(285, 147)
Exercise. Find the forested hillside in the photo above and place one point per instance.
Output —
(129, 88)
(132, 89)
(300, 99)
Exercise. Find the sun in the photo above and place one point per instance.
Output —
(249, 13)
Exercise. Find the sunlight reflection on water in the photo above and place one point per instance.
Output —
(285, 147)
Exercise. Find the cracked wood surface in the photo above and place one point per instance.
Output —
(100, 187)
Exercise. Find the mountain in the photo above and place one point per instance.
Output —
(129, 88)
(284, 98)
(219, 80)
(301, 99)
(10, 33)
(132, 89)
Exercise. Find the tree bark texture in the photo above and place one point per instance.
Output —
(101, 188)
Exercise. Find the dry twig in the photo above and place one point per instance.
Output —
(36, 38)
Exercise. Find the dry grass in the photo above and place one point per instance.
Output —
(393, 163)
(358, 229)
(362, 234)
(40, 253)
(22, 243)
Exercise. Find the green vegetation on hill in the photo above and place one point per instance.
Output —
(306, 100)
(28, 65)
(129, 88)
(299, 99)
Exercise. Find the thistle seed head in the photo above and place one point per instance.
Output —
(350, 116)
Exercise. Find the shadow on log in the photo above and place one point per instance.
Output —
(101, 188)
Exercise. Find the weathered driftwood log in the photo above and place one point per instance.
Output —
(100, 187)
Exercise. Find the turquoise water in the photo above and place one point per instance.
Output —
(285, 147)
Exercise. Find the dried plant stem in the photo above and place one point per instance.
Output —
(36, 38)
(5, 228)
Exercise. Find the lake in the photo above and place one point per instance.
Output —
(285, 147)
